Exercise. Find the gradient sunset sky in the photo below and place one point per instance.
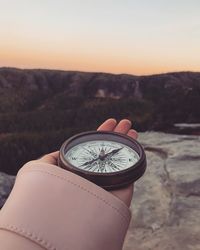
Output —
(118, 36)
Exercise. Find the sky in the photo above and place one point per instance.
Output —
(138, 37)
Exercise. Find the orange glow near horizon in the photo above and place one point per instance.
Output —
(87, 60)
(89, 63)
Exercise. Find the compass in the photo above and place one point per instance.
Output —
(109, 159)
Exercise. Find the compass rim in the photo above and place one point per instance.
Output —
(67, 165)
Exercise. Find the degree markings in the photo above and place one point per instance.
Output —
(120, 160)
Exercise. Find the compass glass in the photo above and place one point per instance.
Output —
(102, 156)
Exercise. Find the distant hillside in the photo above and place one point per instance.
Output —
(40, 108)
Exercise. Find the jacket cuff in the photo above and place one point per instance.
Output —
(59, 210)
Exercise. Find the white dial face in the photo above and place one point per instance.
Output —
(102, 156)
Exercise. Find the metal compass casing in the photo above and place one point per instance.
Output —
(109, 159)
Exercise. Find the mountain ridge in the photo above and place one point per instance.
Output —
(89, 84)
(98, 72)
(28, 89)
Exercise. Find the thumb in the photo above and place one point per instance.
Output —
(51, 158)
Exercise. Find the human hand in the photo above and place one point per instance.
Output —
(124, 127)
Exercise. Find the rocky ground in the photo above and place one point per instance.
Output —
(6, 184)
(166, 203)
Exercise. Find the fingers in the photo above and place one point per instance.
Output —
(133, 133)
(108, 125)
(111, 125)
(123, 126)
(51, 158)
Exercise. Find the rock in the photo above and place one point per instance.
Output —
(6, 184)
(166, 202)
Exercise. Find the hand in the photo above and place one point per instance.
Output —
(124, 127)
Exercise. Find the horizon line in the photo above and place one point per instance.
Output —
(98, 72)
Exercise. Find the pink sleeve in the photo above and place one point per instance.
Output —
(51, 208)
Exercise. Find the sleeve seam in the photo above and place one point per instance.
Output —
(30, 235)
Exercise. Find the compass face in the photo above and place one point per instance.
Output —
(102, 156)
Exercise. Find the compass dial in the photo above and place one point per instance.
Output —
(109, 159)
(102, 156)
